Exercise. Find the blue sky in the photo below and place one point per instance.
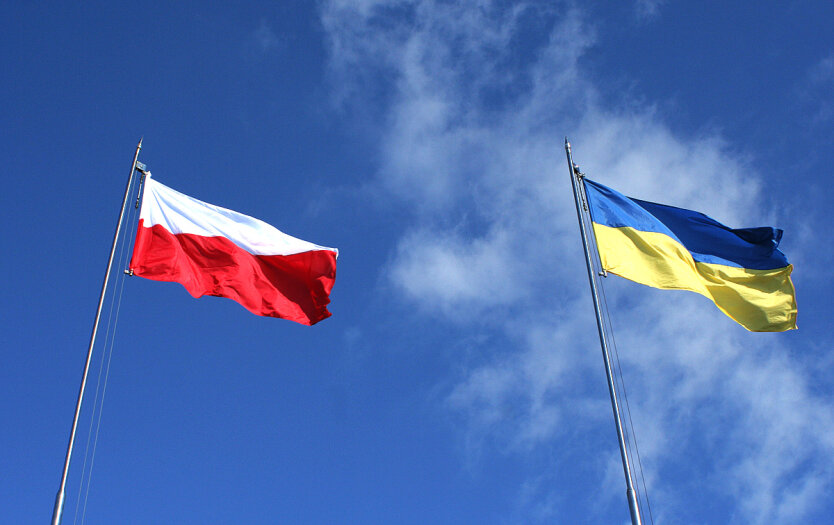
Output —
(459, 379)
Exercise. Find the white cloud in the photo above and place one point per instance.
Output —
(494, 236)
(457, 276)
(648, 9)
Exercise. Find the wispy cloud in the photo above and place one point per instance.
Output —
(477, 99)
(648, 9)
(818, 88)
(265, 37)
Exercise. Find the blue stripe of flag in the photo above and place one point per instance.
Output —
(707, 240)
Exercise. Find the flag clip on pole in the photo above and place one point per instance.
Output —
(576, 184)
(141, 168)
(59, 499)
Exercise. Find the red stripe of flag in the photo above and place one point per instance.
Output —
(294, 287)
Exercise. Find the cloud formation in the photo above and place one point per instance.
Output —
(477, 97)
(265, 38)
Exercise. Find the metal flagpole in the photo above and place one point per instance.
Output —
(576, 181)
(59, 499)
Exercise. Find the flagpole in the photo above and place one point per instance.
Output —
(575, 177)
(59, 499)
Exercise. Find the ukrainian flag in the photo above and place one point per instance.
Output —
(740, 270)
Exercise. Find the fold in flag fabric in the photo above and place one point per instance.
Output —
(740, 270)
(214, 251)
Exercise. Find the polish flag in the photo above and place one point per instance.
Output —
(214, 251)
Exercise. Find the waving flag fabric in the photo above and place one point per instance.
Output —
(741, 270)
(214, 251)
